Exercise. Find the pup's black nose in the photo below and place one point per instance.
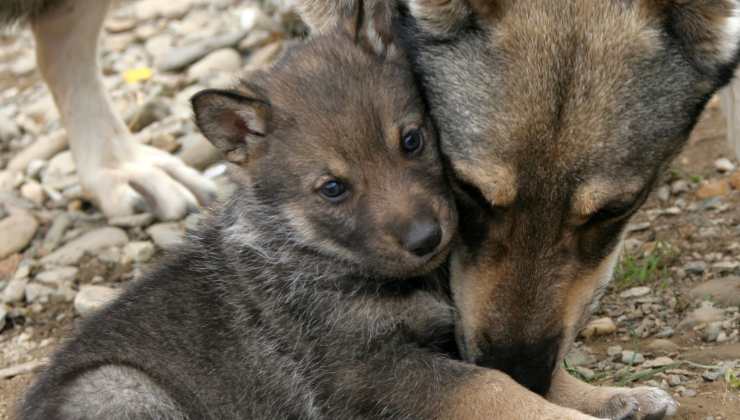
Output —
(422, 237)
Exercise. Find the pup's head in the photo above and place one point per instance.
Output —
(557, 117)
(333, 144)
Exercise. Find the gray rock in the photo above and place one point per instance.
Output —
(8, 129)
(43, 149)
(39, 293)
(222, 60)
(179, 58)
(598, 327)
(664, 193)
(136, 220)
(711, 333)
(579, 357)
(92, 298)
(660, 345)
(3, 314)
(705, 314)
(166, 235)
(586, 373)
(55, 234)
(33, 192)
(725, 291)
(680, 186)
(17, 230)
(630, 357)
(614, 351)
(58, 277)
(24, 65)
(198, 152)
(138, 252)
(696, 267)
(635, 292)
(724, 165)
(15, 290)
(61, 165)
(94, 241)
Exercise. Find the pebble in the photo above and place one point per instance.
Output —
(586, 373)
(264, 56)
(614, 351)
(3, 314)
(17, 230)
(43, 149)
(222, 60)
(136, 220)
(696, 267)
(711, 333)
(630, 357)
(658, 362)
(15, 290)
(635, 292)
(725, 291)
(705, 314)
(94, 241)
(138, 252)
(165, 235)
(34, 192)
(181, 57)
(59, 166)
(58, 277)
(579, 357)
(713, 188)
(724, 165)
(599, 327)
(198, 152)
(92, 298)
(664, 193)
(680, 186)
(660, 345)
(55, 234)
(8, 129)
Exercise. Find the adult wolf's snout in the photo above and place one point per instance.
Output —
(530, 364)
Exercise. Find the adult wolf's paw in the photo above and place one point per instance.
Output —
(643, 403)
(141, 177)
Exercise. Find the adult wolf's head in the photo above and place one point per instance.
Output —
(557, 117)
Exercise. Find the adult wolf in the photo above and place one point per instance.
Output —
(557, 118)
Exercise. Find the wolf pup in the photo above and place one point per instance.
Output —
(305, 296)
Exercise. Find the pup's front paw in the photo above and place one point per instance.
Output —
(643, 403)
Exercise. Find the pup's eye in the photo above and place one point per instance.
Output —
(333, 190)
(412, 142)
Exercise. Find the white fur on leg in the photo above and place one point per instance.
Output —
(730, 38)
(108, 160)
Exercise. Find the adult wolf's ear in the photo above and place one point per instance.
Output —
(368, 22)
(708, 30)
(235, 123)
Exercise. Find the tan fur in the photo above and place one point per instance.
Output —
(497, 182)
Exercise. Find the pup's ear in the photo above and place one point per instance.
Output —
(233, 122)
(708, 30)
(368, 22)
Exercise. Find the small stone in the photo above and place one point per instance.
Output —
(586, 373)
(711, 375)
(664, 193)
(598, 327)
(34, 168)
(674, 380)
(256, 40)
(33, 192)
(223, 60)
(3, 315)
(724, 165)
(136, 220)
(58, 277)
(39, 293)
(658, 362)
(24, 65)
(55, 234)
(166, 142)
(181, 57)
(579, 357)
(630, 357)
(725, 291)
(8, 129)
(696, 267)
(614, 351)
(110, 255)
(17, 230)
(166, 235)
(70, 253)
(43, 149)
(705, 314)
(638, 227)
(59, 166)
(92, 298)
(15, 290)
(722, 337)
(198, 152)
(660, 345)
(139, 252)
(713, 188)
(688, 393)
(712, 332)
(679, 187)
(635, 292)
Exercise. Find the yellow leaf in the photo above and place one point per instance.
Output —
(137, 75)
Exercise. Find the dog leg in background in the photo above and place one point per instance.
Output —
(117, 173)
(610, 402)
(730, 96)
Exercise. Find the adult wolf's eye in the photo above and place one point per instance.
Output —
(333, 190)
(413, 142)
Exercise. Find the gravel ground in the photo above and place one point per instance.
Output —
(670, 319)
